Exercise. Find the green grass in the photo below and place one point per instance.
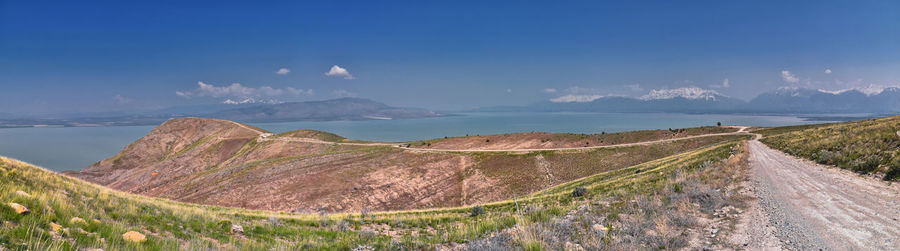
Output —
(313, 134)
(787, 129)
(171, 225)
(867, 146)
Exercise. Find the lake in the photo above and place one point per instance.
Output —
(72, 148)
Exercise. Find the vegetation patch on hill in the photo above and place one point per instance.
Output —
(106, 215)
(867, 146)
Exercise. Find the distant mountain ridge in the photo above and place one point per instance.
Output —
(326, 110)
(803, 100)
(334, 109)
(696, 100)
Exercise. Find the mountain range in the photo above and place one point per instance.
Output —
(696, 100)
(326, 110)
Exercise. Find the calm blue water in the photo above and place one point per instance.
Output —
(72, 148)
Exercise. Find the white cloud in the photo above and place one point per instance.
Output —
(298, 92)
(827, 70)
(509, 90)
(582, 90)
(635, 87)
(343, 93)
(550, 90)
(337, 71)
(725, 84)
(787, 76)
(283, 71)
(684, 92)
(236, 90)
(122, 100)
(576, 98)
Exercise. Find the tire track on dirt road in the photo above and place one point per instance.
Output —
(812, 207)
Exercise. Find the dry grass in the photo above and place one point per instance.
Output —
(662, 216)
(867, 146)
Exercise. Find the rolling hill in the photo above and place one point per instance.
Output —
(218, 162)
(70, 214)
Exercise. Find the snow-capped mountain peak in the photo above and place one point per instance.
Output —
(684, 92)
(251, 101)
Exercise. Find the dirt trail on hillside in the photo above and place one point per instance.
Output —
(812, 207)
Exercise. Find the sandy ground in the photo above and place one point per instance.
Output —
(805, 206)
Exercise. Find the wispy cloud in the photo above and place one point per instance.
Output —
(122, 100)
(789, 77)
(634, 87)
(578, 94)
(283, 71)
(725, 84)
(337, 71)
(575, 98)
(827, 70)
(550, 90)
(343, 93)
(236, 90)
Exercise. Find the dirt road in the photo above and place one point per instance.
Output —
(812, 207)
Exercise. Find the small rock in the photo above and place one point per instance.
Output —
(133, 236)
(22, 193)
(76, 220)
(363, 248)
(599, 228)
(20, 209)
(237, 229)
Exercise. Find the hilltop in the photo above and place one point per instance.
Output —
(226, 163)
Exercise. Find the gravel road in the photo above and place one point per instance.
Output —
(805, 206)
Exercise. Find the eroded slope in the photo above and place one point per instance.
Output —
(225, 163)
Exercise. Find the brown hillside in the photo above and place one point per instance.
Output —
(224, 163)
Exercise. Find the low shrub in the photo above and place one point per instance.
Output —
(893, 172)
(866, 164)
(579, 191)
(477, 210)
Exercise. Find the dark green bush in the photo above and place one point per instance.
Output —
(477, 210)
(579, 191)
(866, 164)
(893, 172)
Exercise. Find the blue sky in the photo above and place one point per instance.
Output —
(120, 55)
